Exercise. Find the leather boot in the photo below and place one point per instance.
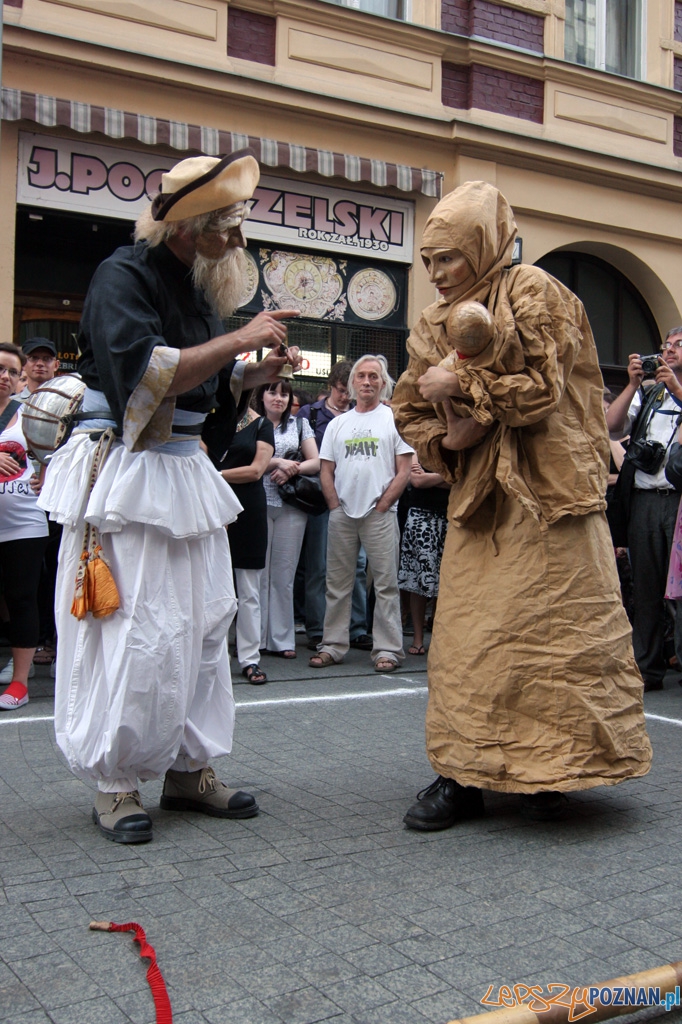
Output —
(442, 804)
(543, 806)
(122, 818)
(202, 791)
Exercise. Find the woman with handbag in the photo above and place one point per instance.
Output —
(243, 466)
(295, 454)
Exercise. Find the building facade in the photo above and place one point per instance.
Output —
(361, 112)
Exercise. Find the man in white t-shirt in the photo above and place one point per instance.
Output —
(365, 467)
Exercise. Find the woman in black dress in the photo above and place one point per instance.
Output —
(246, 460)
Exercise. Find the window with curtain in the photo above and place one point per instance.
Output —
(398, 9)
(605, 34)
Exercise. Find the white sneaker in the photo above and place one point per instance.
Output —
(7, 674)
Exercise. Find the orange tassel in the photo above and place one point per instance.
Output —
(100, 587)
(96, 589)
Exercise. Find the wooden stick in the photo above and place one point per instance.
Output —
(584, 1001)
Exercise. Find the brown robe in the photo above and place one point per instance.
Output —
(532, 679)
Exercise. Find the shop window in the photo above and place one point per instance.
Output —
(399, 9)
(322, 344)
(606, 34)
(620, 319)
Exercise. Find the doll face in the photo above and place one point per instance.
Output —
(449, 271)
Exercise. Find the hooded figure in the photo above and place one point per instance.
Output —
(533, 688)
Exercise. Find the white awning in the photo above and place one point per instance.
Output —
(51, 112)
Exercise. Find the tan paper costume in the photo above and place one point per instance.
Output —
(532, 681)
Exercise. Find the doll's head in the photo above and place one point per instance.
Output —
(469, 328)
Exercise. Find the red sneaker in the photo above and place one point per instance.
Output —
(15, 696)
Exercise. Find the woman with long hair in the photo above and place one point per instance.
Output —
(295, 453)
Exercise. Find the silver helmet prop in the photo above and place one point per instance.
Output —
(50, 414)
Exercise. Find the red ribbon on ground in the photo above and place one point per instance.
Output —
(164, 1013)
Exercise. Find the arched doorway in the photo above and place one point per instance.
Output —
(620, 318)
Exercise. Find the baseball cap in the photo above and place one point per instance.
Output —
(33, 343)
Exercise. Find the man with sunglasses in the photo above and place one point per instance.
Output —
(654, 502)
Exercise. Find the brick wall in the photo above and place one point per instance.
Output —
(251, 36)
(677, 137)
(454, 16)
(455, 88)
(492, 21)
(505, 25)
(678, 21)
(502, 92)
(677, 74)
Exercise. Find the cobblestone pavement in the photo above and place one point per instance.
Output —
(325, 907)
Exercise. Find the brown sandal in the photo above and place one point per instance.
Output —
(321, 660)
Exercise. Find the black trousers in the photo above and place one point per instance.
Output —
(21, 562)
(650, 538)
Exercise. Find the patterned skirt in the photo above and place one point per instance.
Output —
(421, 551)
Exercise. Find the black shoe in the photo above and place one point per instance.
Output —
(652, 684)
(442, 804)
(363, 642)
(543, 806)
(314, 643)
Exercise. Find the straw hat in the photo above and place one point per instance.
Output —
(202, 184)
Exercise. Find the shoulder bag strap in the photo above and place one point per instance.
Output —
(9, 412)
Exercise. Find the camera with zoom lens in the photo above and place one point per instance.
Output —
(650, 364)
(646, 455)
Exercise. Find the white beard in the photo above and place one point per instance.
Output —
(222, 281)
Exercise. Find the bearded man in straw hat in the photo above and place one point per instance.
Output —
(147, 690)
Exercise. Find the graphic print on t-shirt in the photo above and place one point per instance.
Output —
(18, 453)
(361, 447)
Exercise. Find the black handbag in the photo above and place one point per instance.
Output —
(303, 492)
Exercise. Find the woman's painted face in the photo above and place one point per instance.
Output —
(449, 271)
(275, 402)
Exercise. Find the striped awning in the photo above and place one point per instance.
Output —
(50, 112)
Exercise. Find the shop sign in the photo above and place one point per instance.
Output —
(323, 218)
(67, 174)
(72, 175)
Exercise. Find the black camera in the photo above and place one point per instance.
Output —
(646, 455)
(650, 364)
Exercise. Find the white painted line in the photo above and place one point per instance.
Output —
(662, 718)
(323, 699)
(370, 695)
(27, 718)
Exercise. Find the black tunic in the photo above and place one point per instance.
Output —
(248, 536)
(139, 298)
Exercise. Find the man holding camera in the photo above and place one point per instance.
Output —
(654, 502)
